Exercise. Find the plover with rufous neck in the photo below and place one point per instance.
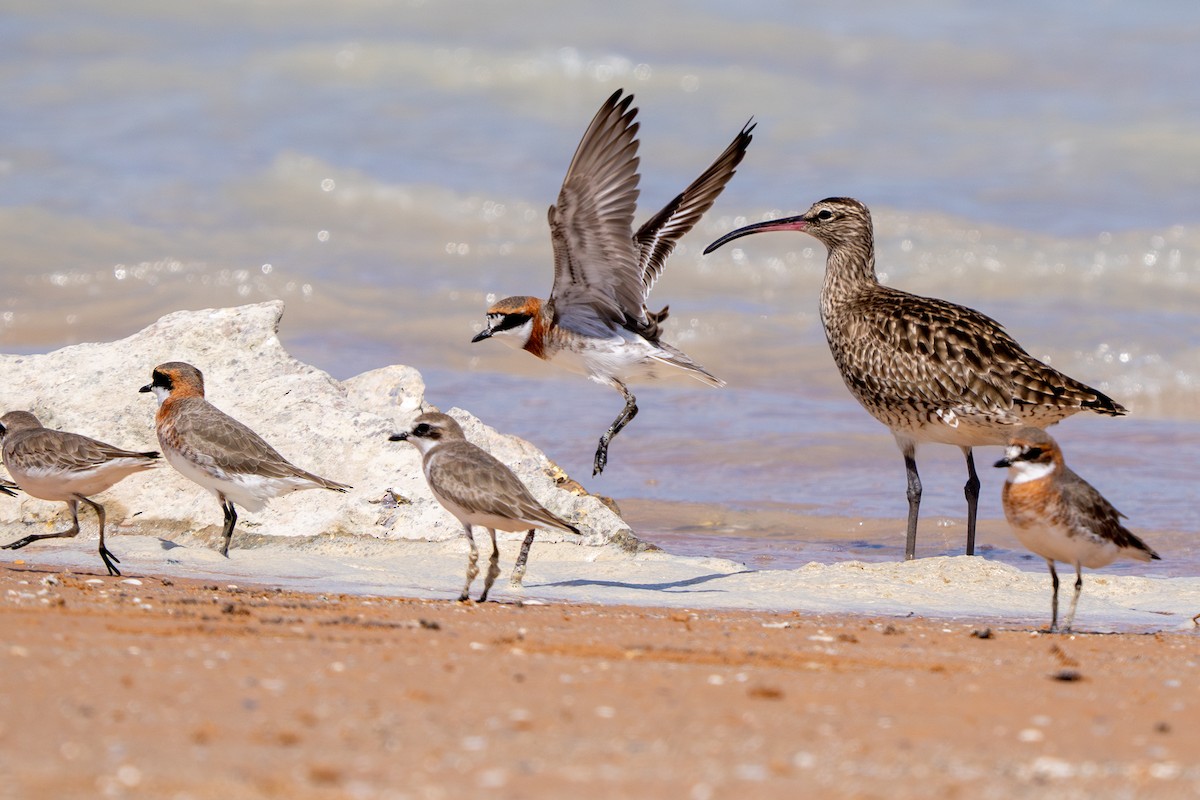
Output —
(595, 321)
(213, 449)
(1060, 516)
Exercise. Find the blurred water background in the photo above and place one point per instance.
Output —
(385, 167)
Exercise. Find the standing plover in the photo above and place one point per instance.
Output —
(1060, 516)
(596, 321)
(930, 370)
(216, 451)
(56, 465)
(477, 489)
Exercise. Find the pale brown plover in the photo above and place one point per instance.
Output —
(930, 370)
(477, 489)
(596, 322)
(216, 451)
(1060, 516)
(67, 467)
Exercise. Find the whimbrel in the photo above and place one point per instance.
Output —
(930, 370)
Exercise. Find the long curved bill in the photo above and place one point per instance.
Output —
(786, 224)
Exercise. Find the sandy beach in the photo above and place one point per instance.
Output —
(169, 687)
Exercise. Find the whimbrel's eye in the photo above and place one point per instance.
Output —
(825, 214)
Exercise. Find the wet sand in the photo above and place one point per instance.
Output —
(176, 688)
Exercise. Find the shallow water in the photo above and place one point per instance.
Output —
(386, 170)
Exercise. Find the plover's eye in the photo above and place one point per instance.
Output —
(422, 430)
(1032, 453)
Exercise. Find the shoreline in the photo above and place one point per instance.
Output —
(190, 687)
(970, 589)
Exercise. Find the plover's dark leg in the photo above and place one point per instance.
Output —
(36, 537)
(627, 413)
(493, 567)
(230, 521)
(472, 564)
(1075, 597)
(914, 500)
(1053, 596)
(105, 556)
(518, 573)
(971, 490)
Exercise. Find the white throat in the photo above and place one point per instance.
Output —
(161, 392)
(516, 337)
(1025, 471)
(422, 444)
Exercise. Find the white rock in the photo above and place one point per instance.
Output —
(335, 429)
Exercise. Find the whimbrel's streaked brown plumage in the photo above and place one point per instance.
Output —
(476, 488)
(932, 371)
(1060, 516)
(596, 321)
(68, 467)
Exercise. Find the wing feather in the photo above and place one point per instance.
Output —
(1092, 512)
(222, 441)
(656, 239)
(948, 356)
(596, 273)
(477, 482)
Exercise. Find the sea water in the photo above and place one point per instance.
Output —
(385, 168)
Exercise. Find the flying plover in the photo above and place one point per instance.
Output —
(477, 489)
(216, 451)
(1060, 516)
(596, 322)
(930, 370)
(56, 465)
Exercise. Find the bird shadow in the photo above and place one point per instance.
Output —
(670, 586)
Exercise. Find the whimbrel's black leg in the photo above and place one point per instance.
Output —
(472, 564)
(518, 573)
(627, 413)
(230, 521)
(1053, 596)
(914, 501)
(105, 556)
(971, 490)
(1075, 597)
(37, 537)
(493, 567)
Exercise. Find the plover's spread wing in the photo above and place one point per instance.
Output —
(597, 280)
(480, 485)
(656, 239)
